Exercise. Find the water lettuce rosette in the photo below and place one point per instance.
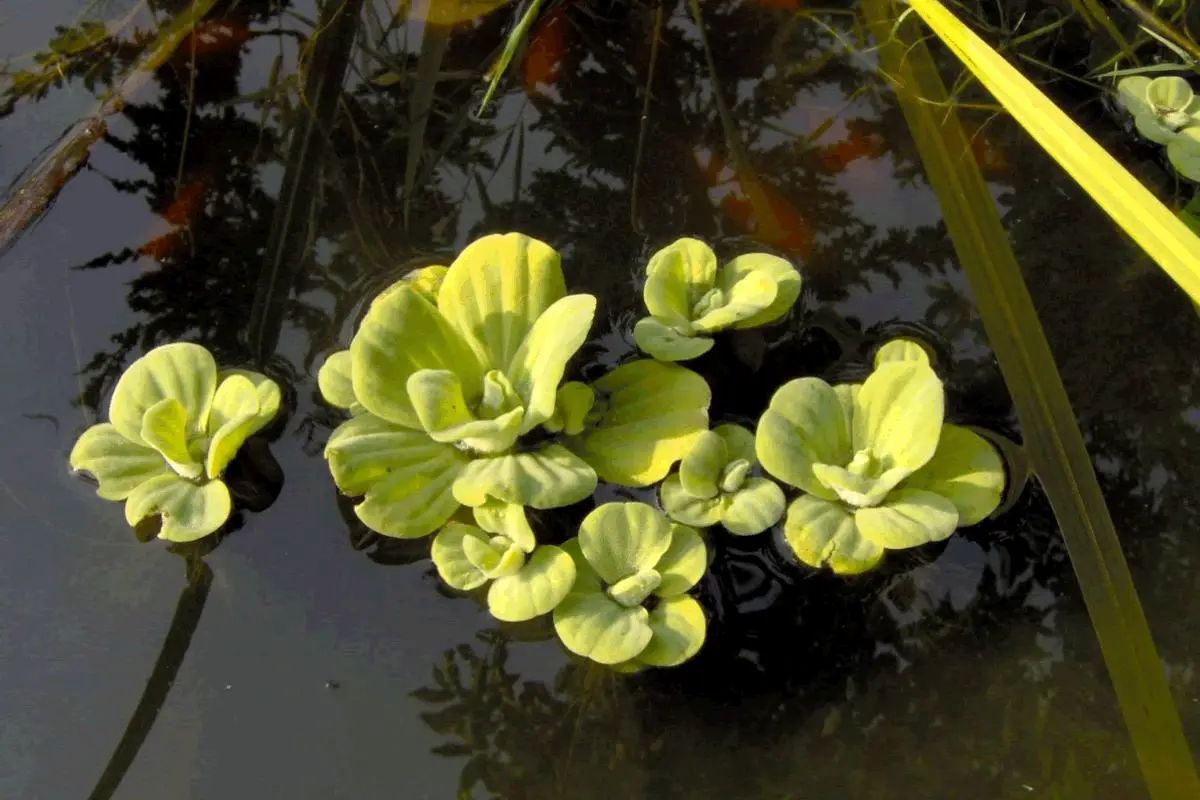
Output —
(175, 424)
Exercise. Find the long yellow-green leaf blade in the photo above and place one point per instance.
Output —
(1122, 196)
(1052, 438)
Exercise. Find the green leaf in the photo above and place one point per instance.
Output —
(1169, 92)
(181, 371)
(235, 418)
(573, 402)
(1153, 127)
(633, 590)
(908, 518)
(547, 478)
(684, 562)
(683, 506)
(592, 625)
(406, 476)
(401, 334)
(482, 554)
(496, 289)
(665, 343)
(537, 367)
(653, 414)
(821, 532)
(437, 397)
(803, 425)
(451, 560)
(679, 627)
(164, 427)
(506, 520)
(189, 512)
(859, 490)
(1132, 93)
(967, 471)
(739, 442)
(1183, 151)
(758, 505)
(901, 350)
(621, 539)
(540, 585)
(785, 277)
(898, 415)
(118, 464)
(269, 395)
(700, 469)
(677, 276)
(746, 298)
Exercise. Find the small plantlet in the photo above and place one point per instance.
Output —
(1166, 111)
(628, 608)
(878, 467)
(689, 299)
(175, 423)
(715, 485)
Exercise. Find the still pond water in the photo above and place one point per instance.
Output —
(314, 661)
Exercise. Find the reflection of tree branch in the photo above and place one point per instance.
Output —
(41, 185)
(175, 646)
(287, 245)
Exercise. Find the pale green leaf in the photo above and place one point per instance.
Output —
(700, 469)
(821, 532)
(440, 404)
(336, 381)
(967, 471)
(164, 427)
(188, 511)
(758, 505)
(235, 417)
(1154, 127)
(908, 518)
(621, 539)
(118, 464)
(482, 554)
(512, 558)
(847, 394)
(270, 397)
(859, 490)
(550, 477)
(496, 289)
(738, 441)
(573, 402)
(537, 367)
(785, 277)
(745, 299)
(401, 334)
(451, 560)
(665, 343)
(1133, 95)
(180, 371)
(633, 590)
(677, 276)
(898, 415)
(803, 425)
(683, 563)
(1183, 151)
(506, 520)
(682, 506)
(653, 414)
(1169, 92)
(901, 350)
(679, 627)
(595, 626)
(539, 586)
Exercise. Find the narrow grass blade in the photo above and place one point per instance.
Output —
(1122, 196)
(1052, 438)
(435, 40)
(515, 40)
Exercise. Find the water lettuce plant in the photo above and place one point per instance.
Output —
(526, 580)
(175, 424)
(1166, 111)
(628, 607)
(454, 385)
(879, 468)
(714, 485)
(689, 298)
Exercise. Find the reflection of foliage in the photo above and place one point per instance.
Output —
(86, 52)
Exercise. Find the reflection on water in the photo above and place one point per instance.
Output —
(966, 669)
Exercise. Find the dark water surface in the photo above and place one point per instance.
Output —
(319, 669)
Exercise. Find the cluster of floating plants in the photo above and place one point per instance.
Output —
(1166, 111)
(461, 426)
